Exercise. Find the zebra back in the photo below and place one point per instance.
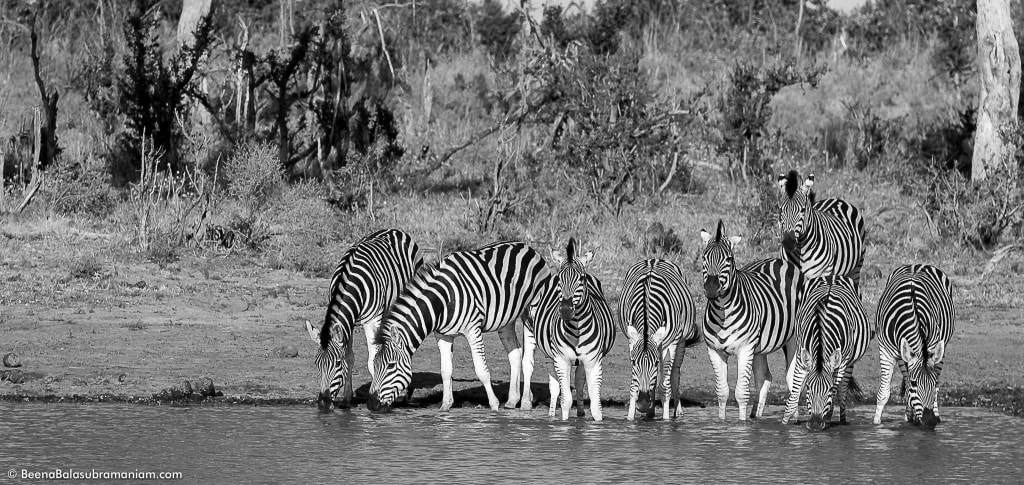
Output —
(916, 305)
(573, 319)
(755, 304)
(369, 277)
(824, 237)
(490, 286)
(654, 294)
(831, 321)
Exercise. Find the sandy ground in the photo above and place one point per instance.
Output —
(133, 328)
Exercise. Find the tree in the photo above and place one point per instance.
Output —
(999, 69)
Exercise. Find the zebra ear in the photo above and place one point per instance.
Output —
(808, 183)
(660, 335)
(559, 259)
(937, 351)
(805, 358)
(314, 334)
(782, 182)
(588, 257)
(906, 353)
(705, 236)
(632, 333)
(835, 360)
(734, 240)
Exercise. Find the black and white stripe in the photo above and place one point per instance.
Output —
(368, 279)
(659, 317)
(915, 322)
(751, 312)
(468, 293)
(822, 238)
(573, 325)
(832, 335)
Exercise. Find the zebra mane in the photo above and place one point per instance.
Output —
(325, 334)
(811, 196)
(570, 249)
(718, 232)
(792, 182)
(383, 334)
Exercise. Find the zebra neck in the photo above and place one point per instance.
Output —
(342, 310)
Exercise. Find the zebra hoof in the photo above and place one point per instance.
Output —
(445, 406)
(526, 405)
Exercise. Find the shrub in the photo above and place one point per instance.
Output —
(253, 176)
(79, 188)
(498, 30)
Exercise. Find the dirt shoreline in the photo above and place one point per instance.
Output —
(1007, 400)
(128, 329)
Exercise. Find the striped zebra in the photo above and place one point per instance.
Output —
(832, 335)
(822, 238)
(573, 325)
(751, 313)
(915, 323)
(369, 277)
(468, 293)
(659, 316)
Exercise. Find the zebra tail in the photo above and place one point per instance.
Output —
(854, 391)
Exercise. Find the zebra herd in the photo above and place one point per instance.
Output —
(806, 303)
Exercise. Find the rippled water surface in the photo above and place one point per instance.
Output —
(293, 444)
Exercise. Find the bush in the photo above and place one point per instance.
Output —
(254, 176)
(498, 30)
(79, 188)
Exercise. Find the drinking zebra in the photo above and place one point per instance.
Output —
(468, 293)
(822, 238)
(573, 325)
(915, 323)
(658, 316)
(832, 335)
(369, 277)
(751, 313)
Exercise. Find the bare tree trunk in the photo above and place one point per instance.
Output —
(45, 129)
(192, 11)
(999, 69)
(797, 47)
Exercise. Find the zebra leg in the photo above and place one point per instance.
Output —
(720, 364)
(669, 380)
(744, 367)
(844, 393)
(553, 389)
(789, 350)
(886, 363)
(581, 377)
(594, 372)
(796, 376)
(476, 346)
(510, 341)
(350, 361)
(562, 369)
(633, 395)
(762, 381)
(529, 347)
(444, 347)
(370, 330)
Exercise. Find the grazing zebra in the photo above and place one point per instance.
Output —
(659, 316)
(915, 323)
(572, 324)
(369, 277)
(822, 238)
(832, 335)
(468, 293)
(751, 313)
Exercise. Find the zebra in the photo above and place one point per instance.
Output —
(659, 317)
(915, 322)
(832, 335)
(572, 324)
(369, 277)
(822, 238)
(468, 293)
(751, 313)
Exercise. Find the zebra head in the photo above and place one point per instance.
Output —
(392, 370)
(330, 363)
(645, 355)
(820, 383)
(571, 273)
(717, 261)
(923, 368)
(794, 204)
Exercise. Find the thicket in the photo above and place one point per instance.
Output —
(337, 101)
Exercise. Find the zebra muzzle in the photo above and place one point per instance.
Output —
(565, 309)
(789, 241)
(324, 403)
(817, 423)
